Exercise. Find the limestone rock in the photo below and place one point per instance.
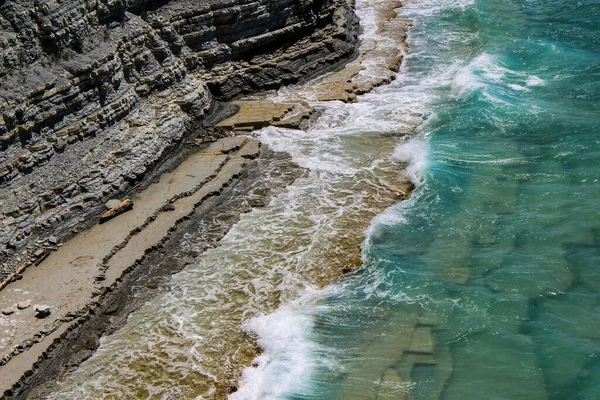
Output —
(250, 150)
(22, 305)
(8, 311)
(391, 386)
(423, 341)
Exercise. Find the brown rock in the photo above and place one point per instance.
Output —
(24, 304)
(122, 207)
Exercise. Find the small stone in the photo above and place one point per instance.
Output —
(152, 285)
(112, 203)
(52, 240)
(113, 308)
(8, 311)
(42, 311)
(39, 252)
(24, 304)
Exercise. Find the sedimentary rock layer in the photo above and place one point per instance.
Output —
(94, 93)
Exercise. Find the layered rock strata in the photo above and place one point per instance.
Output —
(376, 64)
(95, 93)
(77, 277)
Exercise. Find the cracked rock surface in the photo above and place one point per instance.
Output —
(95, 93)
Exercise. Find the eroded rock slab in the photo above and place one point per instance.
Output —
(68, 281)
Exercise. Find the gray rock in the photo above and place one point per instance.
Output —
(112, 203)
(8, 311)
(80, 102)
(42, 311)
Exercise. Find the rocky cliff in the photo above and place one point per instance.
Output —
(95, 93)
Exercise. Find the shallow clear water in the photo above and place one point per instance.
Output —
(485, 284)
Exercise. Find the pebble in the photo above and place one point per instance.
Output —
(42, 311)
(8, 311)
(24, 304)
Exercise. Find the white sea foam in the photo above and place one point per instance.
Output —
(413, 153)
(290, 356)
(432, 7)
(283, 362)
(287, 361)
(485, 72)
(535, 81)
(480, 72)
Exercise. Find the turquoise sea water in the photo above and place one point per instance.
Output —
(485, 284)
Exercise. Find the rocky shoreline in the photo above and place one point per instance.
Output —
(213, 218)
(95, 93)
(135, 268)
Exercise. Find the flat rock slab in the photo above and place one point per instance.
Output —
(250, 150)
(392, 387)
(112, 203)
(256, 114)
(65, 282)
(226, 145)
